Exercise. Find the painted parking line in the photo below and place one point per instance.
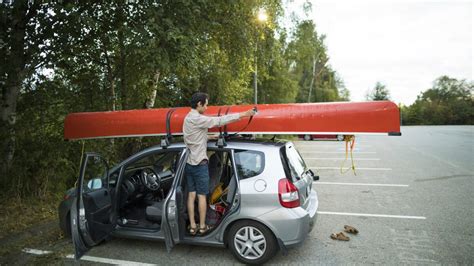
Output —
(339, 152)
(87, 258)
(359, 184)
(374, 215)
(36, 251)
(330, 146)
(340, 159)
(357, 168)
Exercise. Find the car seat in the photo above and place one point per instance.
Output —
(155, 211)
(215, 170)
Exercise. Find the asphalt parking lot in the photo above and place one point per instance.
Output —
(411, 199)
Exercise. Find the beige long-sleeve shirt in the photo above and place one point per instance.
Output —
(195, 128)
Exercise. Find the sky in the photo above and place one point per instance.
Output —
(404, 44)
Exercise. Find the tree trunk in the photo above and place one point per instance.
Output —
(15, 73)
(123, 83)
(150, 101)
(312, 80)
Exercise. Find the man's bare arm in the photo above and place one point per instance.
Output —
(248, 113)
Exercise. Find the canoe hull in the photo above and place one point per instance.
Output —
(380, 117)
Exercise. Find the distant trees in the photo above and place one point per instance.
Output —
(378, 93)
(308, 64)
(448, 102)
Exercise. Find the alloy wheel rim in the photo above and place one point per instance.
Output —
(250, 243)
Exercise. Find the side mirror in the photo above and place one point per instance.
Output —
(95, 183)
(315, 177)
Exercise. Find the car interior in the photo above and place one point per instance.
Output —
(145, 185)
(222, 188)
(148, 180)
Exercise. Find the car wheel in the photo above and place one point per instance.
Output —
(307, 137)
(340, 137)
(252, 242)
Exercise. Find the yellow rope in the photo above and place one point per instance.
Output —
(350, 141)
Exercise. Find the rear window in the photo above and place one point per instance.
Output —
(249, 163)
(295, 165)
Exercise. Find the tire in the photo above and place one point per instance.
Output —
(340, 137)
(307, 137)
(265, 241)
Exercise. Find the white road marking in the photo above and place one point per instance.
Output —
(36, 251)
(339, 152)
(374, 215)
(359, 184)
(357, 168)
(340, 159)
(343, 149)
(332, 146)
(88, 258)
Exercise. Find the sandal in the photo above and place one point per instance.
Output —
(350, 229)
(192, 230)
(339, 236)
(205, 229)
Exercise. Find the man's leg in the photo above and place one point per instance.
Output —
(202, 189)
(191, 195)
(191, 199)
(202, 210)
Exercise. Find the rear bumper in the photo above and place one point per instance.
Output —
(292, 226)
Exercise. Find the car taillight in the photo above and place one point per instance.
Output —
(288, 194)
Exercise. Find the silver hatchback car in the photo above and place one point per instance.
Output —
(261, 199)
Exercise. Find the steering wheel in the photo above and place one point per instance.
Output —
(150, 179)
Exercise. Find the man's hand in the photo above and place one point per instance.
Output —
(248, 113)
(212, 137)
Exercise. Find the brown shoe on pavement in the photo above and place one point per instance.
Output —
(340, 236)
(350, 229)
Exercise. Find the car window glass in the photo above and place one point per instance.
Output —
(160, 162)
(295, 162)
(113, 178)
(94, 174)
(249, 163)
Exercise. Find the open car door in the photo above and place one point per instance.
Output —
(91, 211)
(172, 222)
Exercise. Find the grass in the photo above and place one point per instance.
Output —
(17, 214)
(28, 223)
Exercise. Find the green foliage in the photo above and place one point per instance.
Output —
(116, 55)
(379, 93)
(448, 102)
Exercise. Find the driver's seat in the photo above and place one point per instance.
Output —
(154, 211)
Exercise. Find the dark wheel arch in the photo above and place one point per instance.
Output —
(67, 231)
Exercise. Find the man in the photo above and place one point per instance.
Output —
(195, 129)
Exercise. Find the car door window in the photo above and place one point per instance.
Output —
(160, 162)
(95, 175)
(249, 163)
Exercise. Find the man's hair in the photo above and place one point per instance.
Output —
(198, 97)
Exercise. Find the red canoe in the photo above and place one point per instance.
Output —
(381, 117)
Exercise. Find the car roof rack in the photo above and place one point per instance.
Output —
(166, 141)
